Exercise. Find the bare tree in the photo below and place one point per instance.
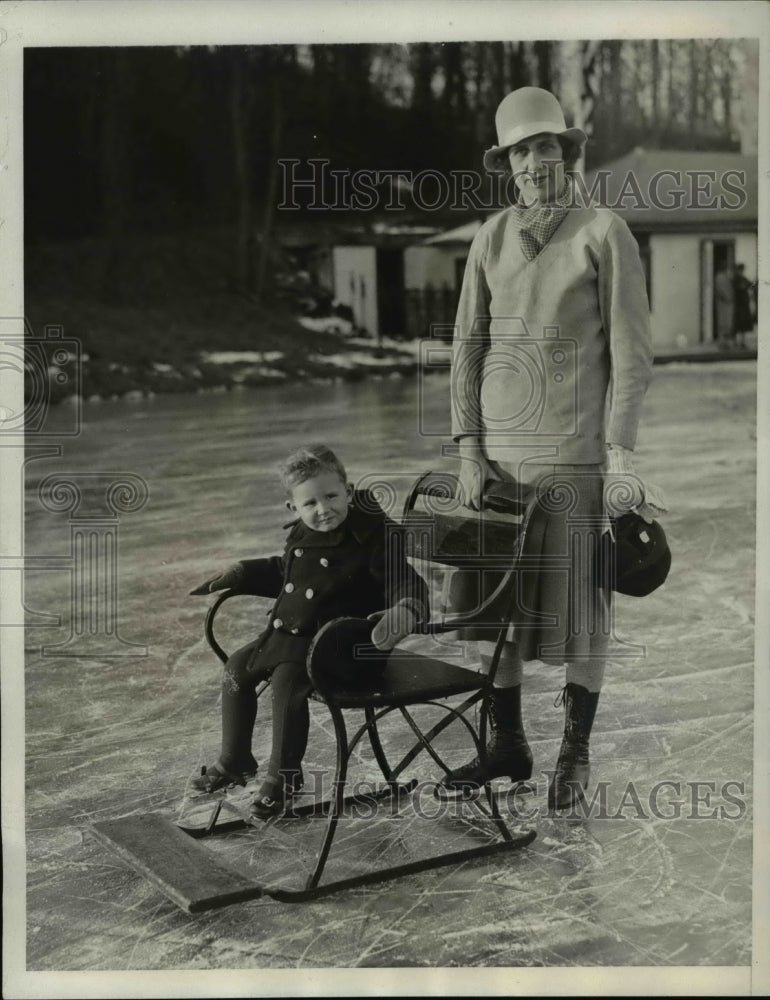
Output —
(693, 102)
(423, 71)
(454, 96)
(241, 106)
(517, 66)
(115, 167)
(655, 84)
(274, 152)
(543, 54)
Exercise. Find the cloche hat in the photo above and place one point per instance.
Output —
(637, 561)
(525, 112)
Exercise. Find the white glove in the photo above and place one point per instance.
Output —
(394, 624)
(624, 491)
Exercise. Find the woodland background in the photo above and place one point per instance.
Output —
(152, 179)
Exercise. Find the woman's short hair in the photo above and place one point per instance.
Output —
(308, 461)
(570, 152)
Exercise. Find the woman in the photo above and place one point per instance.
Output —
(552, 358)
(744, 318)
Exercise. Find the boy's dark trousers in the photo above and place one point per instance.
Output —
(291, 718)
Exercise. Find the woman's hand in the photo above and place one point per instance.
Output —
(625, 491)
(475, 472)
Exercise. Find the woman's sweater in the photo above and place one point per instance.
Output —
(552, 357)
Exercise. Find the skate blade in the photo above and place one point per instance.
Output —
(468, 793)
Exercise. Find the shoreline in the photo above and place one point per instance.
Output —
(231, 371)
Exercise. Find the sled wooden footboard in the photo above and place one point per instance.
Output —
(187, 872)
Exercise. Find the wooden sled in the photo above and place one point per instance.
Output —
(484, 555)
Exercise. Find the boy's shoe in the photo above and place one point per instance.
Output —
(266, 808)
(217, 777)
(274, 798)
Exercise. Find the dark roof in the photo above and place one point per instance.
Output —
(678, 189)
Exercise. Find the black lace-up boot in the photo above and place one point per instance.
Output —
(573, 766)
(508, 753)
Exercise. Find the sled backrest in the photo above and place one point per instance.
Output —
(467, 559)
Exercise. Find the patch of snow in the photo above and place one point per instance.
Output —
(411, 347)
(405, 230)
(352, 359)
(262, 371)
(239, 357)
(326, 324)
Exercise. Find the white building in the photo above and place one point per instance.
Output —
(691, 212)
(368, 276)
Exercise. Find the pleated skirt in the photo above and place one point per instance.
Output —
(560, 614)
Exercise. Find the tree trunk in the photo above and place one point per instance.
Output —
(480, 110)
(670, 110)
(498, 61)
(272, 187)
(726, 89)
(706, 87)
(693, 103)
(543, 53)
(517, 72)
(654, 83)
(241, 101)
(616, 92)
(115, 172)
(422, 73)
(454, 82)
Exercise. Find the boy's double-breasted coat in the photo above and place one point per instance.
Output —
(353, 571)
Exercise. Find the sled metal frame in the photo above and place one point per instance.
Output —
(171, 855)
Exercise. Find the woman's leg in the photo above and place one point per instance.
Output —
(508, 753)
(588, 674)
(580, 697)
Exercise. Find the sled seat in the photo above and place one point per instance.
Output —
(407, 679)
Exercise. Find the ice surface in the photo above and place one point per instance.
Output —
(113, 736)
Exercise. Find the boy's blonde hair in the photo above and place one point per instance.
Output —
(308, 461)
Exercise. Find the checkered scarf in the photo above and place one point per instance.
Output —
(538, 223)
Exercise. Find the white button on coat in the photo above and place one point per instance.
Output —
(324, 561)
(289, 588)
(309, 593)
(277, 623)
(299, 552)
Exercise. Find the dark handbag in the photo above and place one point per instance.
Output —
(636, 561)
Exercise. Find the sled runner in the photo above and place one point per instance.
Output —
(473, 564)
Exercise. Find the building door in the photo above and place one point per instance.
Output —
(717, 264)
(390, 293)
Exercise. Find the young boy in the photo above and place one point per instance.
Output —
(334, 565)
